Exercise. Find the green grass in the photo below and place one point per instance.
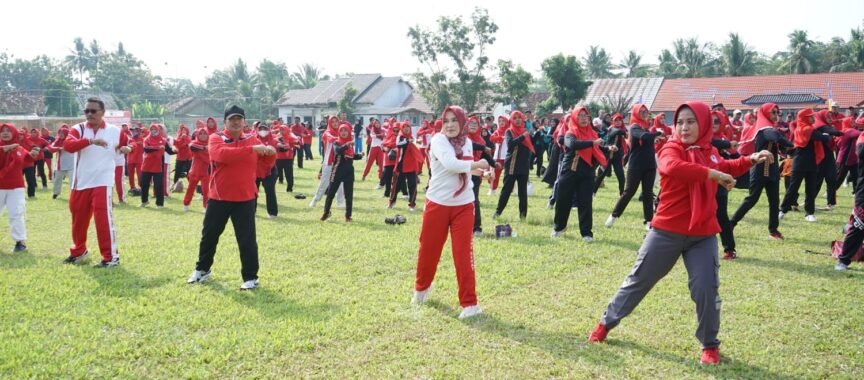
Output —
(334, 300)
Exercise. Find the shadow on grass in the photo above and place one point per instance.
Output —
(729, 368)
(119, 282)
(826, 270)
(17, 260)
(273, 305)
(562, 345)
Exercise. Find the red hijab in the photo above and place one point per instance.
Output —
(517, 130)
(476, 137)
(155, 139)
(822, 118)
(349, 152)
(804, 132)
(585, 133)
(210, 130)
(702, 153)
(634, 116)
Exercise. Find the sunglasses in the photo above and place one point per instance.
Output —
(90, 110)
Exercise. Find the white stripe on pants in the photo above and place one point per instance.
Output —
(13, 200)
(326, 171)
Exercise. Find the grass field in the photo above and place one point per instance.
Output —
(334, 300)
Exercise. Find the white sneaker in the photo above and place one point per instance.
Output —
(491, 193)
(412, 209)
(556, 234)
(780, 215)
(271, 216)
(249, 285)
(199, 276)
(478, 233)
(379, 187)
(185, 208)
(313, 203)
(830, 207)
(144, 204)
(647, 226)
(587, 239)
(470, 311)
(810, 218)
(405, 197)
(420, 296)
(840, 266)
(610, 221)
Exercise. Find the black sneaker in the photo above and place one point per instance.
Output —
(54, 196)
(108, 264)
(76, 259)
(19, 247)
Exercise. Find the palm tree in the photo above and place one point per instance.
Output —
(632, 65)
(738, 58)
(78, 59)
(96, 54)
(598, 64)
(307, 75)
(800, 59)
(691, 56)
(668, 66)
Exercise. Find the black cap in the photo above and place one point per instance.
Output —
(234, 111)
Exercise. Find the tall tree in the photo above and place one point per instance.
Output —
(738, 58)
(566, 82)
(598, 64)
(346, 102)
(801, 59)
(307, 75)
(632, 65)
(270, 81)
(692, 57)
(59, 97)
(668, 66)
(514, 82)
(78, 59)
(95, 56)
(463, 45)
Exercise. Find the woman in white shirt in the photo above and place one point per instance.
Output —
(449, 207)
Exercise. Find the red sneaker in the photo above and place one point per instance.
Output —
(599, 333)
(711, 355)
(777, 236)
(730, 254)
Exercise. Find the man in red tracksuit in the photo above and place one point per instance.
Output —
(94, 144)
(233, 195)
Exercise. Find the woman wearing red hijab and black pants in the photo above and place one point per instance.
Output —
(855, 228)
(685, 226)
(266, 171)
(152, 169)
(517, 165)
(641, 167)
(481, 151)
(764, 176)
(449, 208)
(809, 155)
(582, 154)
(615, 137)
(407, 164)
(343, 172)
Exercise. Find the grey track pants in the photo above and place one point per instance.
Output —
(324, 183)
(657, 256)
(59, 176)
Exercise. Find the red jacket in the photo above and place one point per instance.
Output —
(230, 160)
(12, 162)
(264, 167)
(154, 154)
(287, 137)
(181, 143)
(200, 158)
(37, 141)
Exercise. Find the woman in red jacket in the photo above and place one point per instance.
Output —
(12, 156)
(37, 141)
(449, 208)
(500, 151)
(342, 173)
(152, 170)
(685, 226)
(46, 135)
(199, 172)
(266, 171)
(288, 145)
(135, 158)
(408, 161)
(184, 154)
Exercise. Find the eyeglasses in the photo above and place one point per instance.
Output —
(716, 122)
(90, 110)
(775, 112)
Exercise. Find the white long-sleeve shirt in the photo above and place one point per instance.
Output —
(445, 171)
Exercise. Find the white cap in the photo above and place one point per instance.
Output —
(736, 112)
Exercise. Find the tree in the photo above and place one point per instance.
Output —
(632, 65)
(146, 109)
(307, 75)
(801, 59)
(126, 77)
(25, 75)
(668, 66)
(620, 104)
(691, 56)
(78, 59)
(566, 81)
(95, 56)
(598, 64)
(738, 58)
(59, 97)
(270, 81)
(463, 45)
(346, 103)
(514, 82)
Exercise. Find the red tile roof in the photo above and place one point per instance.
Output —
(847, 89)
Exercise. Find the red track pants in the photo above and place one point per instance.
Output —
(193, 182)
(374, 155)
(118, 183)
(437, 221)
(497, 175)
(95, 202)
